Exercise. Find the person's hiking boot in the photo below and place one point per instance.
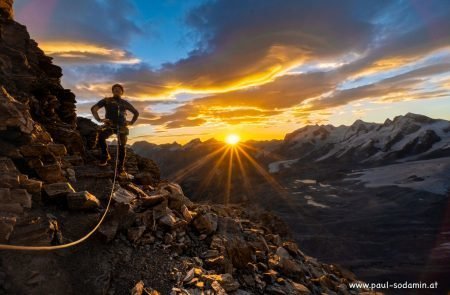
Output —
(122, 173)
(104, 161)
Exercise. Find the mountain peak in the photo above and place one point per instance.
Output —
(211, 140)
(418, 117)
(193, 141)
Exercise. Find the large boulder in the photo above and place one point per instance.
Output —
(205, 223)
(83, 200)
(239, 252)
(58, 190)
(176, 196)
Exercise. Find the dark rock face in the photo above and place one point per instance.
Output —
(30, 77)
(87, 130)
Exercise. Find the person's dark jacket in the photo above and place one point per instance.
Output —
(115, 110)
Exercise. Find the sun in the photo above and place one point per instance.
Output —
(232, 139)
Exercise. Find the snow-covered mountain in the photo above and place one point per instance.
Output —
(404, 138)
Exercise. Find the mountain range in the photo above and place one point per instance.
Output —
(404, 138)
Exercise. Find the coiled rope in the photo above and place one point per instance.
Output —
(85, 237)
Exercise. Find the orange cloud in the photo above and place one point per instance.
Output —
(78, 52)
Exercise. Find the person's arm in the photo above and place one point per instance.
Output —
(96, 107)
(130, 108)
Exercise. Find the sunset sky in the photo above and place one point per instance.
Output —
(258, 68)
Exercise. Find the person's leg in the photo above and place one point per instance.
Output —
(102, 135)
(122, 151)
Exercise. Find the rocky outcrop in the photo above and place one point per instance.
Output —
(29, 76)
(6, 9)
(220, 249)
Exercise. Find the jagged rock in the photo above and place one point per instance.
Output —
(248, 280)
(67, 136)
(168, 220)
(217, 263)
(6, 227)
(218, 289)
(74, 160)
(5, 195)
(270, 276)
(161, 209)
(34, 150)
(286, 264)
(50, 173)
(108, 229)
(9, 180)
(217, 243)
(189, 275)
(239, 251)
(36, 231)
(88, 131)
(226, 281)
(71, 175)
(135, 233)
(186, 213)
(283, 253)
(7, 165)
(324, 282)
(11, 208)
(299, 289)
(12, 201)
(138, 289)
(9, 150)
(58, 189)
(147, 165)
(144, 178)
(16, 124)
(135, 189)
(123, 196)
(83, 200)
(292, 248)
(32, 186)
(205, 223)
(176, 196)
(209, 253)
(228, 226)
(150, 201)
(274, 239)
(22, 197)
(58, 150)
(168, 238)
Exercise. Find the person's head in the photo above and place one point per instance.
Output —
(117, 90)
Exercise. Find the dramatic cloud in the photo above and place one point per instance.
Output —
(251, 61)
(245, 43)
(70, 52)
(253, 103)
(84, 21)
(401, 87)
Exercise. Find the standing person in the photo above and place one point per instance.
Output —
(114, 123)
